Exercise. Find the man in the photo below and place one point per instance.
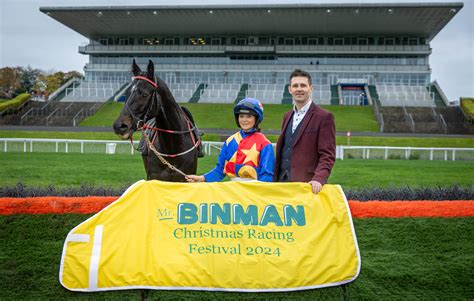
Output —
(306, 148)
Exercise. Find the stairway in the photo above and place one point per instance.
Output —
(455, 122)
(334, 95)
(374, 95)
(287, 98)
(197, 94)
(242, 93)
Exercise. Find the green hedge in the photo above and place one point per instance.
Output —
(467, 105)
(15, 102)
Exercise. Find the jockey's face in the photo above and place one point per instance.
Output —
(247, 121)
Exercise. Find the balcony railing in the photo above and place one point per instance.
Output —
(405, 49)
(264, 67)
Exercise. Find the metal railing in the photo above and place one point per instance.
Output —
(409, 119)
(423, 49)
(408, 153)
(63, 87)
(440, 120)
(34, 112)
(83, 146)
(213, 148)
(50, 117)
(76, 118)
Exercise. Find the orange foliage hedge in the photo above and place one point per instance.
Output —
(359, 209)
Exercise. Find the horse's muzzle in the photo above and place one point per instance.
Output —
(123, 130)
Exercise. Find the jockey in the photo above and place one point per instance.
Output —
(247, 154)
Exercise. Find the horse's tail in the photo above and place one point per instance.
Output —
(197, 133)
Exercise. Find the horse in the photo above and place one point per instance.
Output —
(172, 144)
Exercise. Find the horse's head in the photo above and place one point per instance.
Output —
(142, 102)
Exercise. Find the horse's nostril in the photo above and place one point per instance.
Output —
(120, 128)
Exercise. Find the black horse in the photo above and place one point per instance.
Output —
(173, 135)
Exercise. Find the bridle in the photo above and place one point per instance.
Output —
(141, 124)
(139, 121)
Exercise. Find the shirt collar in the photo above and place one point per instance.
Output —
(303, 109)
(246, 133)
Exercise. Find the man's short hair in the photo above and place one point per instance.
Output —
(299, 72)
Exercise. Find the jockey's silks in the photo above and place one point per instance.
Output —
(244, 155)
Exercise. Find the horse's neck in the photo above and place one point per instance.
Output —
(170, 115)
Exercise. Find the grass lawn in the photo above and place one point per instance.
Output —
(73, 169)
(220, 116)
(105, 116)
(401, 259)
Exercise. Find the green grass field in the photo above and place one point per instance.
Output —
(427, 259)
(73, 169)
(220, 116)
(401, 258)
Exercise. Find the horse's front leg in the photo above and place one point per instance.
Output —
(145, 163)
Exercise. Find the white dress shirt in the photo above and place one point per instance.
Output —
(298, 115)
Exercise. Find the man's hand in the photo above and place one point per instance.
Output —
(316, 186)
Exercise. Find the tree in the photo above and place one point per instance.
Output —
(28, 78)
(9, 81)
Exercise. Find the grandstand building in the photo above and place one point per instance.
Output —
(357, 54)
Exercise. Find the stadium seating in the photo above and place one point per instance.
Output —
(183, 92)
(401, 95)
(266, 93)
(92, 91)
(220, 93)
(322, 94)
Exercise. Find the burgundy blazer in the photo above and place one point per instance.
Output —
(314, 149)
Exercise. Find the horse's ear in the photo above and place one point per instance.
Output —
(150, 72)
(135, 68)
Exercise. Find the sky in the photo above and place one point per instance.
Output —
(29, 37)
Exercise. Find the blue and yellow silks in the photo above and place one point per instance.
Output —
(244, 155)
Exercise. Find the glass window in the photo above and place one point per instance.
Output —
(241, 41)
(263, 40)
(389, 41)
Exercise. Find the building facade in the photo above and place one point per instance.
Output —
(231, 46)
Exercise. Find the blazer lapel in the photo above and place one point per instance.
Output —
(287, 120)
(305, 122)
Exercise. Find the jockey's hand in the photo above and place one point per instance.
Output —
(194, 178)
(315, 186)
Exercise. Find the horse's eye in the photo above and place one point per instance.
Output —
(145, 95)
